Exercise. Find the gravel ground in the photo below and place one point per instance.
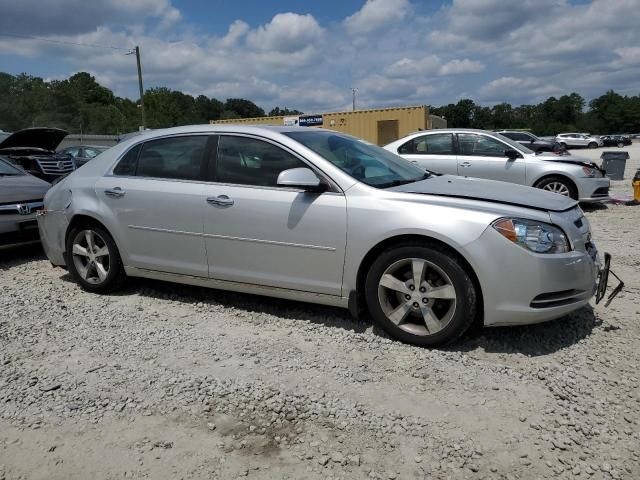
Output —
(168, 381)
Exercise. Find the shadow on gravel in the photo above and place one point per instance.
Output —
(593, 207)
(189, 295)
(14, 257)
(533, 340)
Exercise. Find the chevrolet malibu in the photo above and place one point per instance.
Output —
(318, 216)
(484, 154)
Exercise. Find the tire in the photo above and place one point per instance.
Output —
(592, 145)
(559, 185)
(421, 320)
(97, 270)
(620, 144)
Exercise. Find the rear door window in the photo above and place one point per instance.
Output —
(434, 144)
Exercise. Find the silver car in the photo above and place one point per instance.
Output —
(322, 217)
(584, 140)
(483, 154)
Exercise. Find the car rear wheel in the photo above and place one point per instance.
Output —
(420, 294)
(93, 259)
(558, 185)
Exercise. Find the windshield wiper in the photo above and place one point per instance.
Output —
(396, 183)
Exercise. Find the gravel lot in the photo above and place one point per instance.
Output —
(169, 381)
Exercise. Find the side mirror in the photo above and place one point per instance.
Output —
(511, 154)
(303, 178)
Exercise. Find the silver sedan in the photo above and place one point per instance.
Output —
(483, 154)
(318, 216)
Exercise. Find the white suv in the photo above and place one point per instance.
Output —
(572, 140)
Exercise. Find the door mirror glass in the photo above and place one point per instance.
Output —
(511, 154)
(303, 178)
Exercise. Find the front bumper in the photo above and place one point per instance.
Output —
(18, 230)
(592, 190)
(520, 287)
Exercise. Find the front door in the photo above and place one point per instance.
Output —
(259, 233)
(482, 156)
(154, 198)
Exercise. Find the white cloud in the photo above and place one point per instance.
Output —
(458, 67)
(287, 32)
(376, 14)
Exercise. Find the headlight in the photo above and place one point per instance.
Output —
(535, 236)
(589, 172)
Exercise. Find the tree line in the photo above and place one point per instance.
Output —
(81, 104)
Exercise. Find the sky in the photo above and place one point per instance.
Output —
(309, 54)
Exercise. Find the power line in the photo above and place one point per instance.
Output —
(61, 42)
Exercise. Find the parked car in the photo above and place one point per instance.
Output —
(577, 140)
(21, 195)
(83, 153)
(33, 149)
(319, 216)
(483, 154)
(615, 141)
(532, 142)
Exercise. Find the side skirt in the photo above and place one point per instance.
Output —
(266, 291)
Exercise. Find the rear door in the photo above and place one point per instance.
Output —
(433, 151)
(483, 156)
(154, 199)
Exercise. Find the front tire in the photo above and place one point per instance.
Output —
(421, 294)
(558, 185)
(93, 259)
(593, 145)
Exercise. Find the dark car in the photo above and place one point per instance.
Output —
(34, 150)
(614, 141)
(21, 195)
(532, 142)
(83, 153)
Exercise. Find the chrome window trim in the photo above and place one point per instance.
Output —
(334, 187)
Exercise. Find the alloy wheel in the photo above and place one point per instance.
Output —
(417, 296)
(557, 187)
(91, 256)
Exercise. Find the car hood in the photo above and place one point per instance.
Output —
(19, 188)
(46, 138)
(489, 191)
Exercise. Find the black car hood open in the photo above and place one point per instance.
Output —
(489, 191)
(20, 188)
(46, 138)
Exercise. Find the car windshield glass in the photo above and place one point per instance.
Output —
(517, 146)
(361, 160)
(7, 169)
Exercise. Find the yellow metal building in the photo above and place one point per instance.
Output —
(379, 126)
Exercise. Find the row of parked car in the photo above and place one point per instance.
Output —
(319, 216)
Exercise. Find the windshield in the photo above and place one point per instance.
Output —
(7, 169)
(362, 160)
(514, 144)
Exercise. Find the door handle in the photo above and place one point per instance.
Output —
(220, 201)
(115, 192)
(465, 164)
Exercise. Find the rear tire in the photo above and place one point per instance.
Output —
(435, 313)
(93, 259)
(559, 185)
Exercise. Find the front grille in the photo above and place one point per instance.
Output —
(56, 167)
(556, 299)
(28, 206)
(23, 235)
(601, 192)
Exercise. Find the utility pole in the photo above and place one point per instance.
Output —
(137, 53)
(353, 92)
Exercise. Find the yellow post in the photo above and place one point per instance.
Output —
(636, 186)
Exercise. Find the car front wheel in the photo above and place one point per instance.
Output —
(558, 185)
(421, 294)
(93, 259)
(593, 145)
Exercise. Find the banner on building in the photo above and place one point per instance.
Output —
(310, 120)
(291, 121)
